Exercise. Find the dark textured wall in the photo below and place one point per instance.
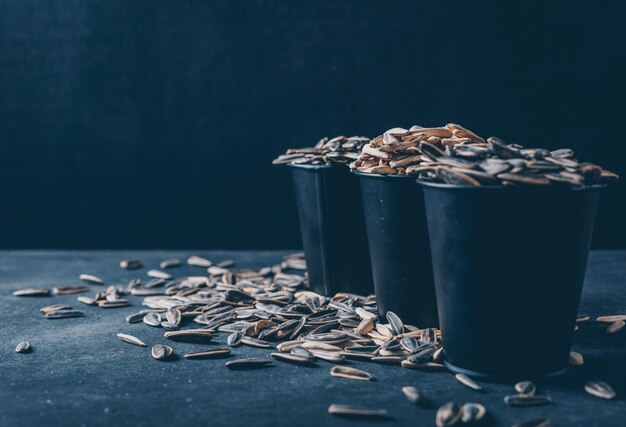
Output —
(153, 123)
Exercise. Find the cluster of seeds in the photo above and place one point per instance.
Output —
(337, 150)
(272, 308)
(493, 162)
(401, 151)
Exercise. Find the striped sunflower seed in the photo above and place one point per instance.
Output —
(526, 400)
(208, 354)
(31, 292)
(411, 393)
(616, 326)
(350, 373)
(54, 307)
(397, 327)
(152, 319)
(525, 387)
(199, 261)
(22, 347)
(294, 358)
(130, 264)
(600, 389)
(357, 412)
(249, 363)
(448, 415)
(68, 289)
(169, 263)
(91, 279)
(161, 351)
(190, 335)
(131, 340)
(64, 314)
(234, 339)
(468, 382)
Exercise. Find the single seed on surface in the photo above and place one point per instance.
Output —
(472, 412)
(575, 358)
(249, 363)
(350, 373)
(161, 351)
(600, 389)
(539, 422)
(356, 411)
(526, 400)
(468, 382)
(91, 279)
(31, 292)
(616, 326)
(411, 393)
(131, 340)
(525, 387)
(208, 354)
(22, 347)
(448, 415)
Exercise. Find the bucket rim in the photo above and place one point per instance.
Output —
(380, 176)
(442, 186)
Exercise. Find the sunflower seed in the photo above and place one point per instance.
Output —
(31, 292)
(526, 400)
(199, 261)
(411, 393)
(169, 263)
(54, 308)
(157, 274)
(131, 340)
(135, 318)
(472, 412)
(130, 264)
(289, 357)
(410, 344)
(448, 415)
(422, 356)
(253, 342)
(87, 300)
(615, 327)
(173, 315)
(152, 319)
(611, 319)
(234, 339)
(395, 323)
(91, 279)
(64, 314)
(329, 356)
(575, 358)
(161, 352)
(428, 366)
(190, 335)
(350, 373)
(525, 387)
(540, 422)
(208, 354)
(600, 389)
(250, 363)
(357, 412)
(468, 382)
(22, 347)
(68, 290)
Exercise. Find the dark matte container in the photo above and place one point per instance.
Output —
(333, 229)
(395, 219)
(509, 265)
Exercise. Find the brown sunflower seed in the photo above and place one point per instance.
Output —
(22, 347)
(575, 358)
(130, 264)
(54, 307)
(350, 373)
(448, 415)
(161, 351)
(357, 412)
(131, 340)
(411, 393)
(250, 363)
(472, 412)
(468, 382)
(91, 279)
(526, 400)
(208, 354)
(600, 389)
(31, 292)
(615, 327)
(525, 387)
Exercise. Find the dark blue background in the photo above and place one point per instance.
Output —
(153, 123)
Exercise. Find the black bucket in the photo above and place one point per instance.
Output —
(399, 251)
(333, 229)
(509, 265)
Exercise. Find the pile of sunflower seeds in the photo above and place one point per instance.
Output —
(493, 162)
(401, 151)
(337, 150)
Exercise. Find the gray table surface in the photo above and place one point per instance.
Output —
(80, 374)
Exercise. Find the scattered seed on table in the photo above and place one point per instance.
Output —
(525, 387)
(468, 382)
(448, 415)
(22, 347)
(170, 263)
(249, 363)
(600, 389)
(161, 351)
(472, 412)
(208, 354)
(356, 411)
(131, 340)
(610, 319)
(190, 335)
(158, 274)
(293, 358)
(526, 400)
(576, 358)
(540, 422)
(616, 326)
(411, 393)
(199, 261)
(91, 279)
(350, 373)
(87, 300)
(31, 292)
(132, 264)
(69, 289)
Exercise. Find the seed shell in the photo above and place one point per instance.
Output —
(468, 382)
(472, 412)
(411, 393)
(91, 279)
(448, 415)
(31, 292)
(350, 373)
(616, 326)
(22, 347)
(208, 354)
(525, 387)
(161, 351)
(357, 412)
(249, 363)
(600, 389)
(526, 400)
(131, 339)
(294, 358)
